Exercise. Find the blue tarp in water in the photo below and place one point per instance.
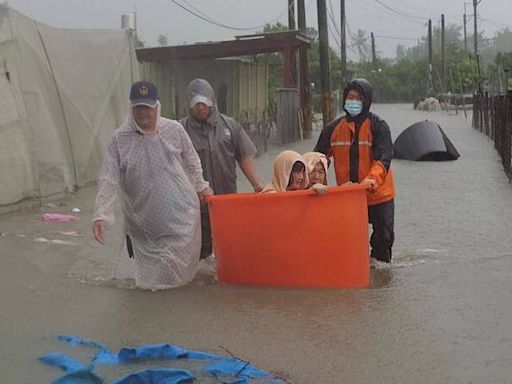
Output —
(227, 370)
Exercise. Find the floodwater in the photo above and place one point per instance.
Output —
(441, 313)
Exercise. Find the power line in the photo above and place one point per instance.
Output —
(420, 9)
(495, 22)
(424, 11)
(399, 12)
(395, 37)
(371, 7)
(330, 13)
(208, 19)
(334, 36)
(349, 47)
(337, 36)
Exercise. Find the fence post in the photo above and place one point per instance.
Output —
(507, 160)
(287, 115)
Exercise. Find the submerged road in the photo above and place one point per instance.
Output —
(442, 313)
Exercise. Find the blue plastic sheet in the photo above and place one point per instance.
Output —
(227, 370)
(103, 354)
(160, 376)
(150, 352)
(60, 360)
(80, 377)
(239, 381)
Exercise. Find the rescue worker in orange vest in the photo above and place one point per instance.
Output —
(360, 143)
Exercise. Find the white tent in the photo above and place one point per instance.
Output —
(62, 93)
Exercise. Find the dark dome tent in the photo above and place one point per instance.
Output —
(424, 141)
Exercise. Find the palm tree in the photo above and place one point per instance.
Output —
(360, 42)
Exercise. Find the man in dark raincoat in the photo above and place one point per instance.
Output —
(221, 143)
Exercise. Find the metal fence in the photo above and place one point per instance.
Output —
(260, 134)
(492, 115)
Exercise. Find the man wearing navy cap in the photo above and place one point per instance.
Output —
(152, 162)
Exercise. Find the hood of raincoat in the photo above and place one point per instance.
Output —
(312, 158)
(282, 170)
(130, 120)
(201, 87)
(365, 88)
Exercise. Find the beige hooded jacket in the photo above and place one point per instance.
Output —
(312, 159)
(282, 170)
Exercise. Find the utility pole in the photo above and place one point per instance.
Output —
(291, 14)
(464, 20)
(304, 85)
(475, 37)
(430, 55)
(374, 56)
(325, 72)
(465, 33)
(343, 39)
(443, 57)
(293, 53)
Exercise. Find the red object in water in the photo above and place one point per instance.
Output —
(292, 238)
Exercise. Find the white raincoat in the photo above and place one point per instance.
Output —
(158, 176)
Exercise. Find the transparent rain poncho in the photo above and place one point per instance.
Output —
(157, 176)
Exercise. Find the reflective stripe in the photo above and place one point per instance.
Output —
(369, 143)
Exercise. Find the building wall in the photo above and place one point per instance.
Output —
(244, 84)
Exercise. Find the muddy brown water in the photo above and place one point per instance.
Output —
(442, 313)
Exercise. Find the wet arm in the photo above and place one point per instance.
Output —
(108, 186)
(249, 170)
(382, 147)
(191, 162)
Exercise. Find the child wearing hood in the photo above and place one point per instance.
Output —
(290, 174)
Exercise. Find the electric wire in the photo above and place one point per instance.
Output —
(210, 20)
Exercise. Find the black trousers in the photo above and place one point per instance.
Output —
(206, 232)
(382, 218)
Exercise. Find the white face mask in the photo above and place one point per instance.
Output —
(353, 107)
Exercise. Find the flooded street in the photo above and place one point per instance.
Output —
(442, 313)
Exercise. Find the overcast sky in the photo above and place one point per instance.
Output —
(392, 21)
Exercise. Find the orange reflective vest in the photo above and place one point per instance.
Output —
(342, 137)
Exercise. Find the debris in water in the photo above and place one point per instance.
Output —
(57, 218)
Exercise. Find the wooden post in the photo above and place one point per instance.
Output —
(343, 40)
(325, 78)
(304, 83)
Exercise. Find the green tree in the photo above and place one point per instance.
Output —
(162, 40)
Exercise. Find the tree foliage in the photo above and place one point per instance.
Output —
(406, 77)
(162, 40)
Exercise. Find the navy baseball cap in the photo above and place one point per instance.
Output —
(143, 93)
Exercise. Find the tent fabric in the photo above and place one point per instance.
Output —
(228, 370)
(424, 141)
(62, 94)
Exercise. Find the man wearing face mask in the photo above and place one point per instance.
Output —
(221, 144)
(360, 144)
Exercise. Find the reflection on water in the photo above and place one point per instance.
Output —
(381, 278)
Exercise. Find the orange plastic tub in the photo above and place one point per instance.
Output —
(292, 238)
